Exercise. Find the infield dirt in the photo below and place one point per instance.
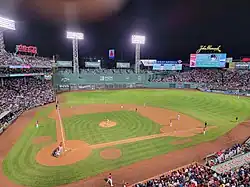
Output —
(184, 127)
(135, 172)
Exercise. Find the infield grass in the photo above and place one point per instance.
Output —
(220, 110)
(129, 125)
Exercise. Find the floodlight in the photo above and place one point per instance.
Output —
(75, 35)
(7, 23)
(138, 39)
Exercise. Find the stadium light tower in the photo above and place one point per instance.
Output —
(75, 36)
(138, 40)
(5, 24)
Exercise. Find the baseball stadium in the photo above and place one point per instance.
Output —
(140, 124)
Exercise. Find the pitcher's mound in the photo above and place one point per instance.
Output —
(111, 154)
(76, 150)
(107, 124)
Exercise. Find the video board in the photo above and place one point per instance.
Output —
(208, 60)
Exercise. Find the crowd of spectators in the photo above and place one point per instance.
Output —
(8, 59)
(227, 154)
(211, 78)
(20, 94)
(107, 71)
(25, 93)
(6, 70)
(196, 175)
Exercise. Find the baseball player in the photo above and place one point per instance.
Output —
(60, 147)
(110, 181)
(178, 117)
(122, 106)
(205, 125)
(170, 123)
(204, 130)
(37, 124)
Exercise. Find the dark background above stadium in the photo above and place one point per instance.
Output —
(173, 28)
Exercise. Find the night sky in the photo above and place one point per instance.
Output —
(173, 28)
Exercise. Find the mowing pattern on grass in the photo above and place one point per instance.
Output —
(129, 125)
(220, 110)
(217, 109)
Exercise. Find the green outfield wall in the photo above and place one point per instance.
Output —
(69, 82)
(89, 81)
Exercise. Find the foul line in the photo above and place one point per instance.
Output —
(61, 126)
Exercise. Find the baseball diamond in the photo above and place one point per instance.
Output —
(137, 140)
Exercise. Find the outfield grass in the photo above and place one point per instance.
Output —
(129, 125)
(219, 110)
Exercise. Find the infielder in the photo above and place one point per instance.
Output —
(110, 181)
(178, 117)
(205, 128)
(37, 124)
(170, 123)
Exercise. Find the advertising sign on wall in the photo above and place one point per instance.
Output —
(245, 59)
(19, 67)
(173, 67)
(208, 60)
(26, 49)
(92, 64)
(148, 62)
(25, 75)
(229, 60)
(167, 67)
(106, 78)
(111, 54)
(209, 48)
(122, 65)
(241, 65)
(64, 64)
(167, 62)
(160, 65)
(232, 65)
